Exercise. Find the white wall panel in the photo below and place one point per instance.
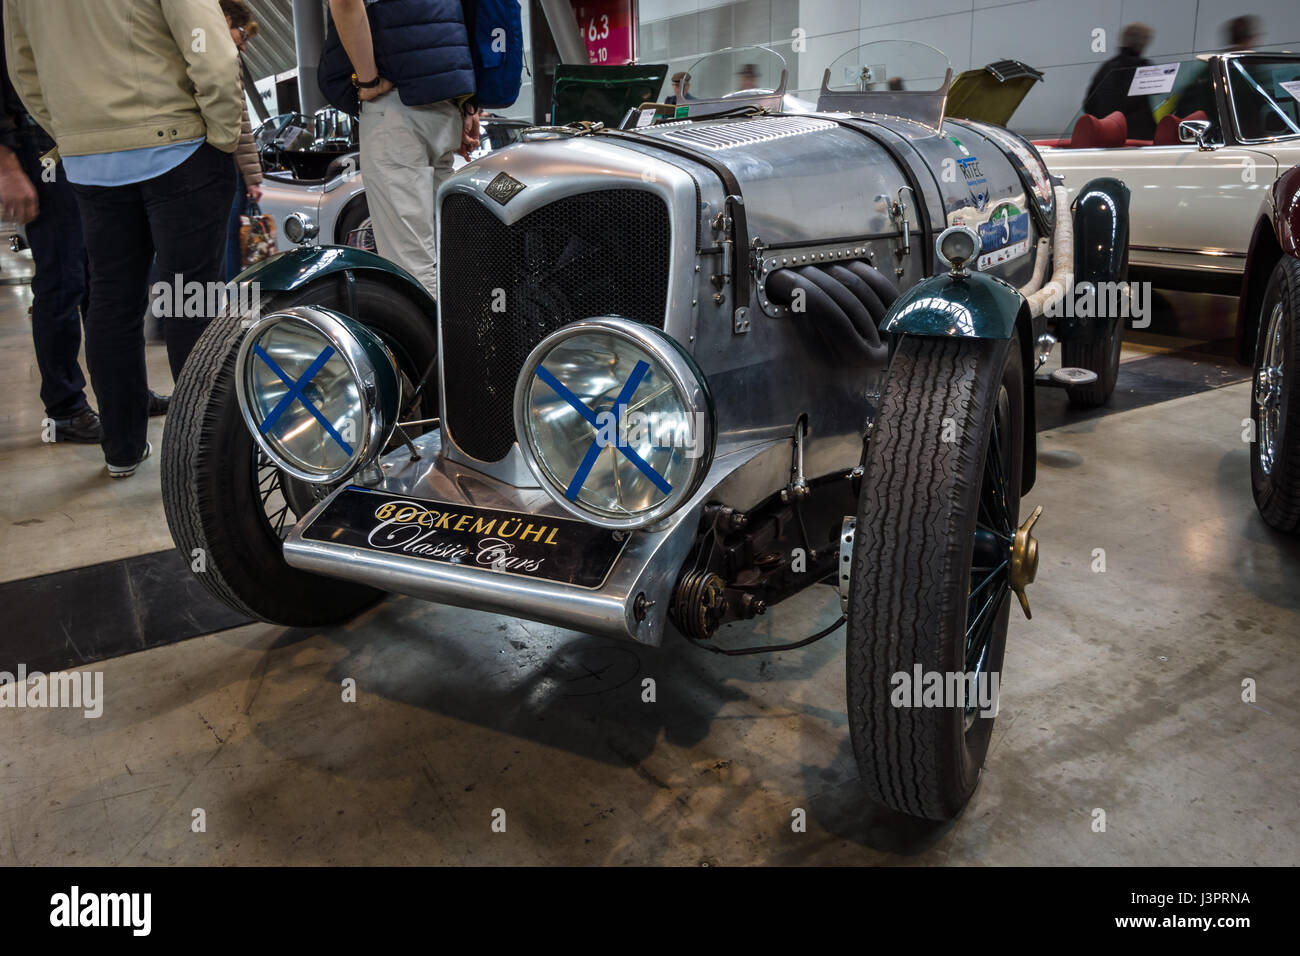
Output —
(820, 17)
(1045, 32)
(1052, 35)
(950, 34)
(876, 12)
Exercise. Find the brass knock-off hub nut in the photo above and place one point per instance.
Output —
(1024, 560)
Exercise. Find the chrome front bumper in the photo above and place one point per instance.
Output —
(632, 603)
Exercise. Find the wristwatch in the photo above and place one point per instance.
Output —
(364, 86)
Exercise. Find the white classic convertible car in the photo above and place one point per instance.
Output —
(1221, 128)
(319, 177)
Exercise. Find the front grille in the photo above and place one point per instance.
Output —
(599, 253)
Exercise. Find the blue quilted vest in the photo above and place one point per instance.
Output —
(421, 45)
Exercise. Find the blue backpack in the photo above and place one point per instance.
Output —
(497, 47)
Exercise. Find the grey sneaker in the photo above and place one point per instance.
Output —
(126, 471)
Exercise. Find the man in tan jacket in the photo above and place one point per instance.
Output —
(142, 100)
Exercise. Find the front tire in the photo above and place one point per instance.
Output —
(227, 506)
(1275, 402)
(930, 568)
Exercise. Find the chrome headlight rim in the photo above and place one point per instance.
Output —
(371, 366)
(300, 228)
(958, 264)
(691, 387)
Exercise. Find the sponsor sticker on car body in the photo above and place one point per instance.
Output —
(1005, 236)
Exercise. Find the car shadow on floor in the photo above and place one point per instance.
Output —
(586, 696)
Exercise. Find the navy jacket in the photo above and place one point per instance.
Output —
(420, 45)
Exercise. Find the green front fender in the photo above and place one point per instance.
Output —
(975, 306)
(288, 271)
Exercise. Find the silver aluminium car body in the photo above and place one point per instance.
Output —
(815, 191)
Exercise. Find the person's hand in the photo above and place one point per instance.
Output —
(470, 135)
(17, 194)
(255, 193)
(375, 91)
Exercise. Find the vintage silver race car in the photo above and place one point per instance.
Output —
(675, 375)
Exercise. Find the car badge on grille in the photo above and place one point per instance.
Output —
(504, 188)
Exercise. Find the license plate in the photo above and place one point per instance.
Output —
(505, 542)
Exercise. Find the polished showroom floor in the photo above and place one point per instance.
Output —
(1124, 694)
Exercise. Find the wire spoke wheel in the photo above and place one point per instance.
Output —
(1269, 372)
(991, 554)
(1275, 401)
(229, 501)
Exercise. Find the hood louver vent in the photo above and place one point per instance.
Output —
(716, 136)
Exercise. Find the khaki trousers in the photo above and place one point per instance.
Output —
(406, 153)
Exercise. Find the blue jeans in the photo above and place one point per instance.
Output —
(59, 286)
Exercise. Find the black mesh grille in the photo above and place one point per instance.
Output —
(600, 253)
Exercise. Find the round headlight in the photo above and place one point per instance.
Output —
(319, 392)
(616, 421)
(300, 227)
(957, 246)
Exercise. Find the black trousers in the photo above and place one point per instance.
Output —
(180, 217)
(59, 286)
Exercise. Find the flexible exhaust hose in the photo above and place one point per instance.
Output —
(884, 289)
(863, 321)
(832, 323)
(1041, 255)
(1062, 281)
(865, 294)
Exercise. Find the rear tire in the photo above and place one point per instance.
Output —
(1275, 402)
(354, 217)
(215, 494)
(1100, 356)
(928, 487)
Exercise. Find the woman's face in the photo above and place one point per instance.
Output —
(238, 35)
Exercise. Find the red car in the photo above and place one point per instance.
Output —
(1268, 336)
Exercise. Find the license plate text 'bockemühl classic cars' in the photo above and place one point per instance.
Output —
(556, 549)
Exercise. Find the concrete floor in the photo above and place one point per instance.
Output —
(1123, 694)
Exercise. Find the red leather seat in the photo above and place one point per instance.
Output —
(1167, 128)
(1108, 132)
